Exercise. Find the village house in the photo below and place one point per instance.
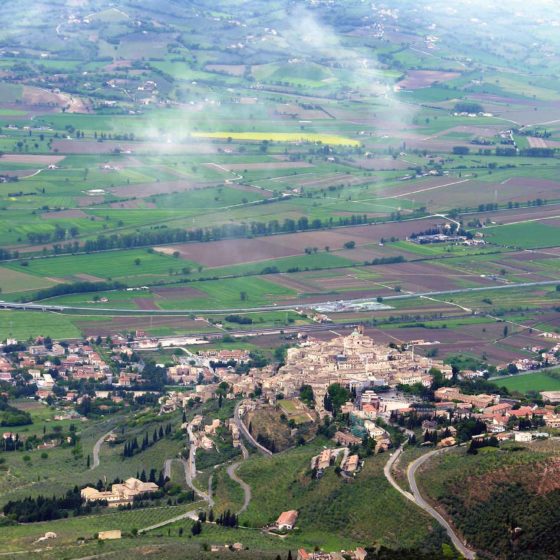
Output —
(350, 465)
(346, 439)
(454, 394)
(286, 520)
(210, 429)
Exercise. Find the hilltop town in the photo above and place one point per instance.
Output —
(360, 398)
(279, 280)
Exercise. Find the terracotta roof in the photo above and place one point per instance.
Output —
(287, 518)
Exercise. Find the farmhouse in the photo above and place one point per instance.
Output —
(351, 464)
(343, 438)
(287, 520)
(120, 493)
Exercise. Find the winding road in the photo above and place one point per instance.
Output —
(245, 432)
(97, 449)
(231, 471)
(387, 470)
(417, 498)
(206, 496)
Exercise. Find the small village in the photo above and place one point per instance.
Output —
(382, 383)
(366, 398)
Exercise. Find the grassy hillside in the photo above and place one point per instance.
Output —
(504, 501)
(365, 510)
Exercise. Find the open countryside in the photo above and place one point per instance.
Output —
(279, 280)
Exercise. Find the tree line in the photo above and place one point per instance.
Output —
(42, 508)
(160, 235)
(132, 447)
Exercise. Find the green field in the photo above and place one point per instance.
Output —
(525, 235)
(534, 382)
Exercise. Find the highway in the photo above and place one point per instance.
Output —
(163, 312)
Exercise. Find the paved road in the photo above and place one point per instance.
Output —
(231, 471)
(389, 475)
(97, 449)
(421, 502)
(245, 432)
(119, 311)
(192, 513)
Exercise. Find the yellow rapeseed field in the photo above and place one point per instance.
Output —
(331, 139)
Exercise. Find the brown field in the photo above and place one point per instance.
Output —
(124, 324)
(295, 282)
(536, 142)
(224, 253)
(249, 188)
(486, 131)
(334, 179)
(235, 251)
(16, 281)
(471, 193)
(415, 187)
(423, 277)
(20, 173)
(38, 96)
(64, 214)
(85, 201)
(302, 299)
(345, 282)
(416, 79)
(132, 204)
(370, 252)
(33, 159)
(146, 304)
(178, 293)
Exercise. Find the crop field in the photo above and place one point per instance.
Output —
(529, 382)
(104, 266)
(526, 235)
(16, 281)
(281, 137)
